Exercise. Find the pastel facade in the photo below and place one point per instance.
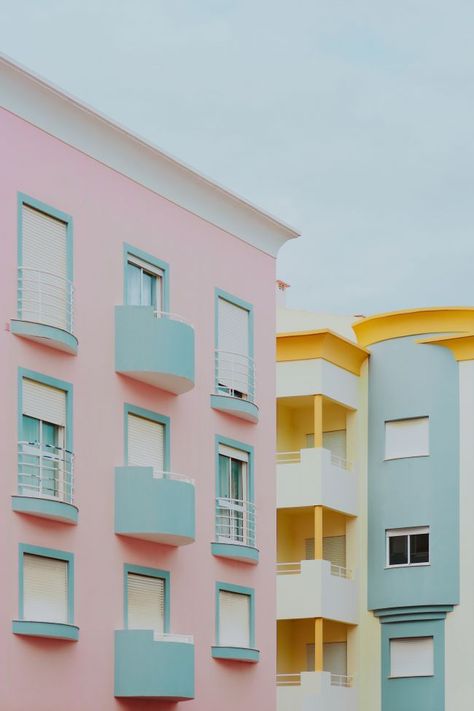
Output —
(137, 421)
(407, 621)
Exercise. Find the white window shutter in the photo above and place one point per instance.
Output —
(335, 657)
(309, 548)
(412, 656)
(233, 328)
(44, 402)
(234, 619)
(335, 441)
(44, 290)
(146, 443)
(146, 602)
(407, 438)
(334, 550)
(45, 593)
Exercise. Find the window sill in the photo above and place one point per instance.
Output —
(410, 456)
(236, 654)
(413, 676)
(51, 336)
(408, 565)
(236, 551)
(41, 507)
(49, 630)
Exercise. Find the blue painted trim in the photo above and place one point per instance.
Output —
(237, 654)
(230, 587)
(234, 551)
(23, 199)
(54, 383)
(129, 250)
(417, 613)
(47, 335)
(151, 573)
(47, 553)
(51, 630)
(236, 406)
(148, 415)
(236, 444)
(45, 508)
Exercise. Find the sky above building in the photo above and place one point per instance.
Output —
(352, 120)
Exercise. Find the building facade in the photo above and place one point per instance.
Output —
(377, 612)
(137, 502)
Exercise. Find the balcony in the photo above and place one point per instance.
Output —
(154, 505)
(45, 483)
(234, 386)
(45, 310)
(154, 347)
(319, 691)
(235, 530)
(154, 665)
(316, 477)
(316, 588)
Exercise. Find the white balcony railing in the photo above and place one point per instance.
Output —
(44, 297)
(341, 462)
(288, 679)
(235, 521)
(172, 637)
(294, 568)
(342, 680)
(45, 471)
(235, 375)
(341, 572)
(295, 458)
(171, 316)
(158, 474)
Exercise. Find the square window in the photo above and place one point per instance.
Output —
(411, 656)
(407, 438)
(235, 623)
(408, 546)
(46, 585)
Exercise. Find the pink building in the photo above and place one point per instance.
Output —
(137, 381)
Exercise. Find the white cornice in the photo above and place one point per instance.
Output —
(57, 113)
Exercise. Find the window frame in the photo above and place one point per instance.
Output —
(239, 589)
(46, 553)
(150, 573)
(164, 420)
(156, 265)
(411, 531)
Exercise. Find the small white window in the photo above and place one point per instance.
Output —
(45, 589)
(412, 656)
(234, 619)
(146, 443)
(146, 602)
(408, 546)
(407, 438)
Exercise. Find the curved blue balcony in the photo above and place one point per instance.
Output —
(154, 347)
(154, 666)
(154, 506)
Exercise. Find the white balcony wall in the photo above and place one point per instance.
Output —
(317, 376)
(315, 693)
(315, 592)
(316, 481)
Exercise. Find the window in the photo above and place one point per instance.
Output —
(407, 438)
(146, 443)
(234, 364)
(408, 546)
(144, 284)
(146, 599)
(45, 271)
(412, 656)
(46, 585)
(334, 549)
(235, 513)
(235, 616)
(45, 461)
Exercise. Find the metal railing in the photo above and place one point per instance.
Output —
(45, 297)
(235, 375)
(45, 471)
(342, 680)
(158, 474)
(171, 316)
(172, 637)
(235, 521)
(288, 568)
(288, 679)
(341, 572)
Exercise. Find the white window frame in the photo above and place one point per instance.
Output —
(158, 273)
(392, 532)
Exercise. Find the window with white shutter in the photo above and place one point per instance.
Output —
(234, 619)
(44, 402)
(146, 442)
(234, 367)
(45, 291)
(334, 550)
(407, 438)
(412, 656)
(146, 602)
(45, 589)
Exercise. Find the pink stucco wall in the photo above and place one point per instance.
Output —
(109, 209)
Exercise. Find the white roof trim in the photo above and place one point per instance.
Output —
(56, 112)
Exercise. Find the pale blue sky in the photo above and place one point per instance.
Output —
(351, 119)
